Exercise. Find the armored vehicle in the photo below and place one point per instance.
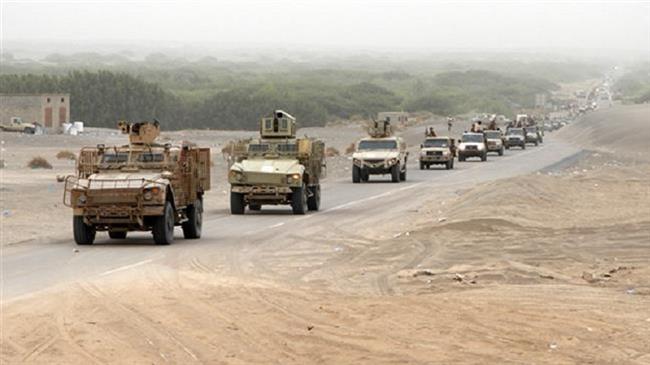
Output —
(494, 141)
(437, 151)
(17, 125)
(277, 168)
(472, 145)
(142, 186)
(379, 154)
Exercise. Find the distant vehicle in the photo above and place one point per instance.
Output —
(277, 168)
(17, 125)
(515, 137)
(494, 141)
(142, 186)
(472, 145)
(379, 154)
(532, 135)
(437, 151)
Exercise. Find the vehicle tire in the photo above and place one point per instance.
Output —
(452, 163)
(117, 235)
(299, 200)
(192, 227)
(523, 146)
(461, 158)
(255, 207)
(29, 130)
(163, 226)
(313, 202)
(83, 233)
(501, 152)
(237, 205)
(365, 176)
(484, 157)
(449, 164)
(421, 165)
(356, 174)
(536, 143)
(402, 175)
(507, 147)
(395, 173)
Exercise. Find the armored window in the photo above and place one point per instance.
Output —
(255, 147)
(115, 158)
(287, 147)
(151, 157)
(284, 124)
(268, 124)
(441, 143)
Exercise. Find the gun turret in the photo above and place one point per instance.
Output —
(380, 129)
(140, 133)
(279, 125)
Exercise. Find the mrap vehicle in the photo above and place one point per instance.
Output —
(277, 168)
(142, 186)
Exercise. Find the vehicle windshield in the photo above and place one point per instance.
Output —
(473, 138)
(516, 132)
(440, 143)
(258, 147)
(378, 145)
(531, 130)
(120, 159)
(493, 135)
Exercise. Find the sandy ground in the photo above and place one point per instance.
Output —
(548, 268)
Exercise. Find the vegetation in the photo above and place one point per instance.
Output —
(66, 155)
(212, 94)
(39, 163)
(635, 84)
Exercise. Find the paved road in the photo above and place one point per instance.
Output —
(259, 245)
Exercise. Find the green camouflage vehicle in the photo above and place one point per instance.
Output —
(277, 168)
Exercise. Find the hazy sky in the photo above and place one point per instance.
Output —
(417, 25)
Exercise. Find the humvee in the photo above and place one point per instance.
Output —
(277, 168)
(379, 154)
(437, 151)
(472, 145)
(142, 186)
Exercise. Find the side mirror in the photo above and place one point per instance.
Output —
(459, 141)
(421, 146)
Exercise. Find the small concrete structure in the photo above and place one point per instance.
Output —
(48, 110)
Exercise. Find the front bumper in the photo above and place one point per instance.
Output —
(264, 194)
(375, 166)
(471, 153)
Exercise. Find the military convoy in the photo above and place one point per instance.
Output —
(379, 154)
(149, 186)
(142, 186)
(277, 168)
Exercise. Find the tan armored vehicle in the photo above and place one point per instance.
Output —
(472, 144)
(17, 125)
(437, 151)
(495, 141)
(277, 168)
(379, 154)
(142, 186)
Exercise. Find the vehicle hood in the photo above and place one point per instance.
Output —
(464, 144)
(428, 149)
(280, 166)
(122, 180)
(376, 155)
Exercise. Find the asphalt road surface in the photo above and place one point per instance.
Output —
(273, 243)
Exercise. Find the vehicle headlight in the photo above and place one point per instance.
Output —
(445, 153)
(236, 175)
(150, 193)
(461, 147)
(392, 161)
(356, 161)
(481, 147)
(293, 178)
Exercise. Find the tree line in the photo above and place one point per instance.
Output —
(100, 98)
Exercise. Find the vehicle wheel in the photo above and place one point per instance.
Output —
(237, 204)
(449, 164)
(452, 164)
(523, 146)
(428, 166)
(536, 143)
(255, 207)
(421, 165)
(461, 158)
(395, 173)
(83, 233)
(299, 200)
(501, 152)
(507, 147)
(29, 130)
(356, 174)
(365, 176)
(313, 202)
(117, 235)
(163, 226)
(484, 157)
(192, 227)
(402, 175)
